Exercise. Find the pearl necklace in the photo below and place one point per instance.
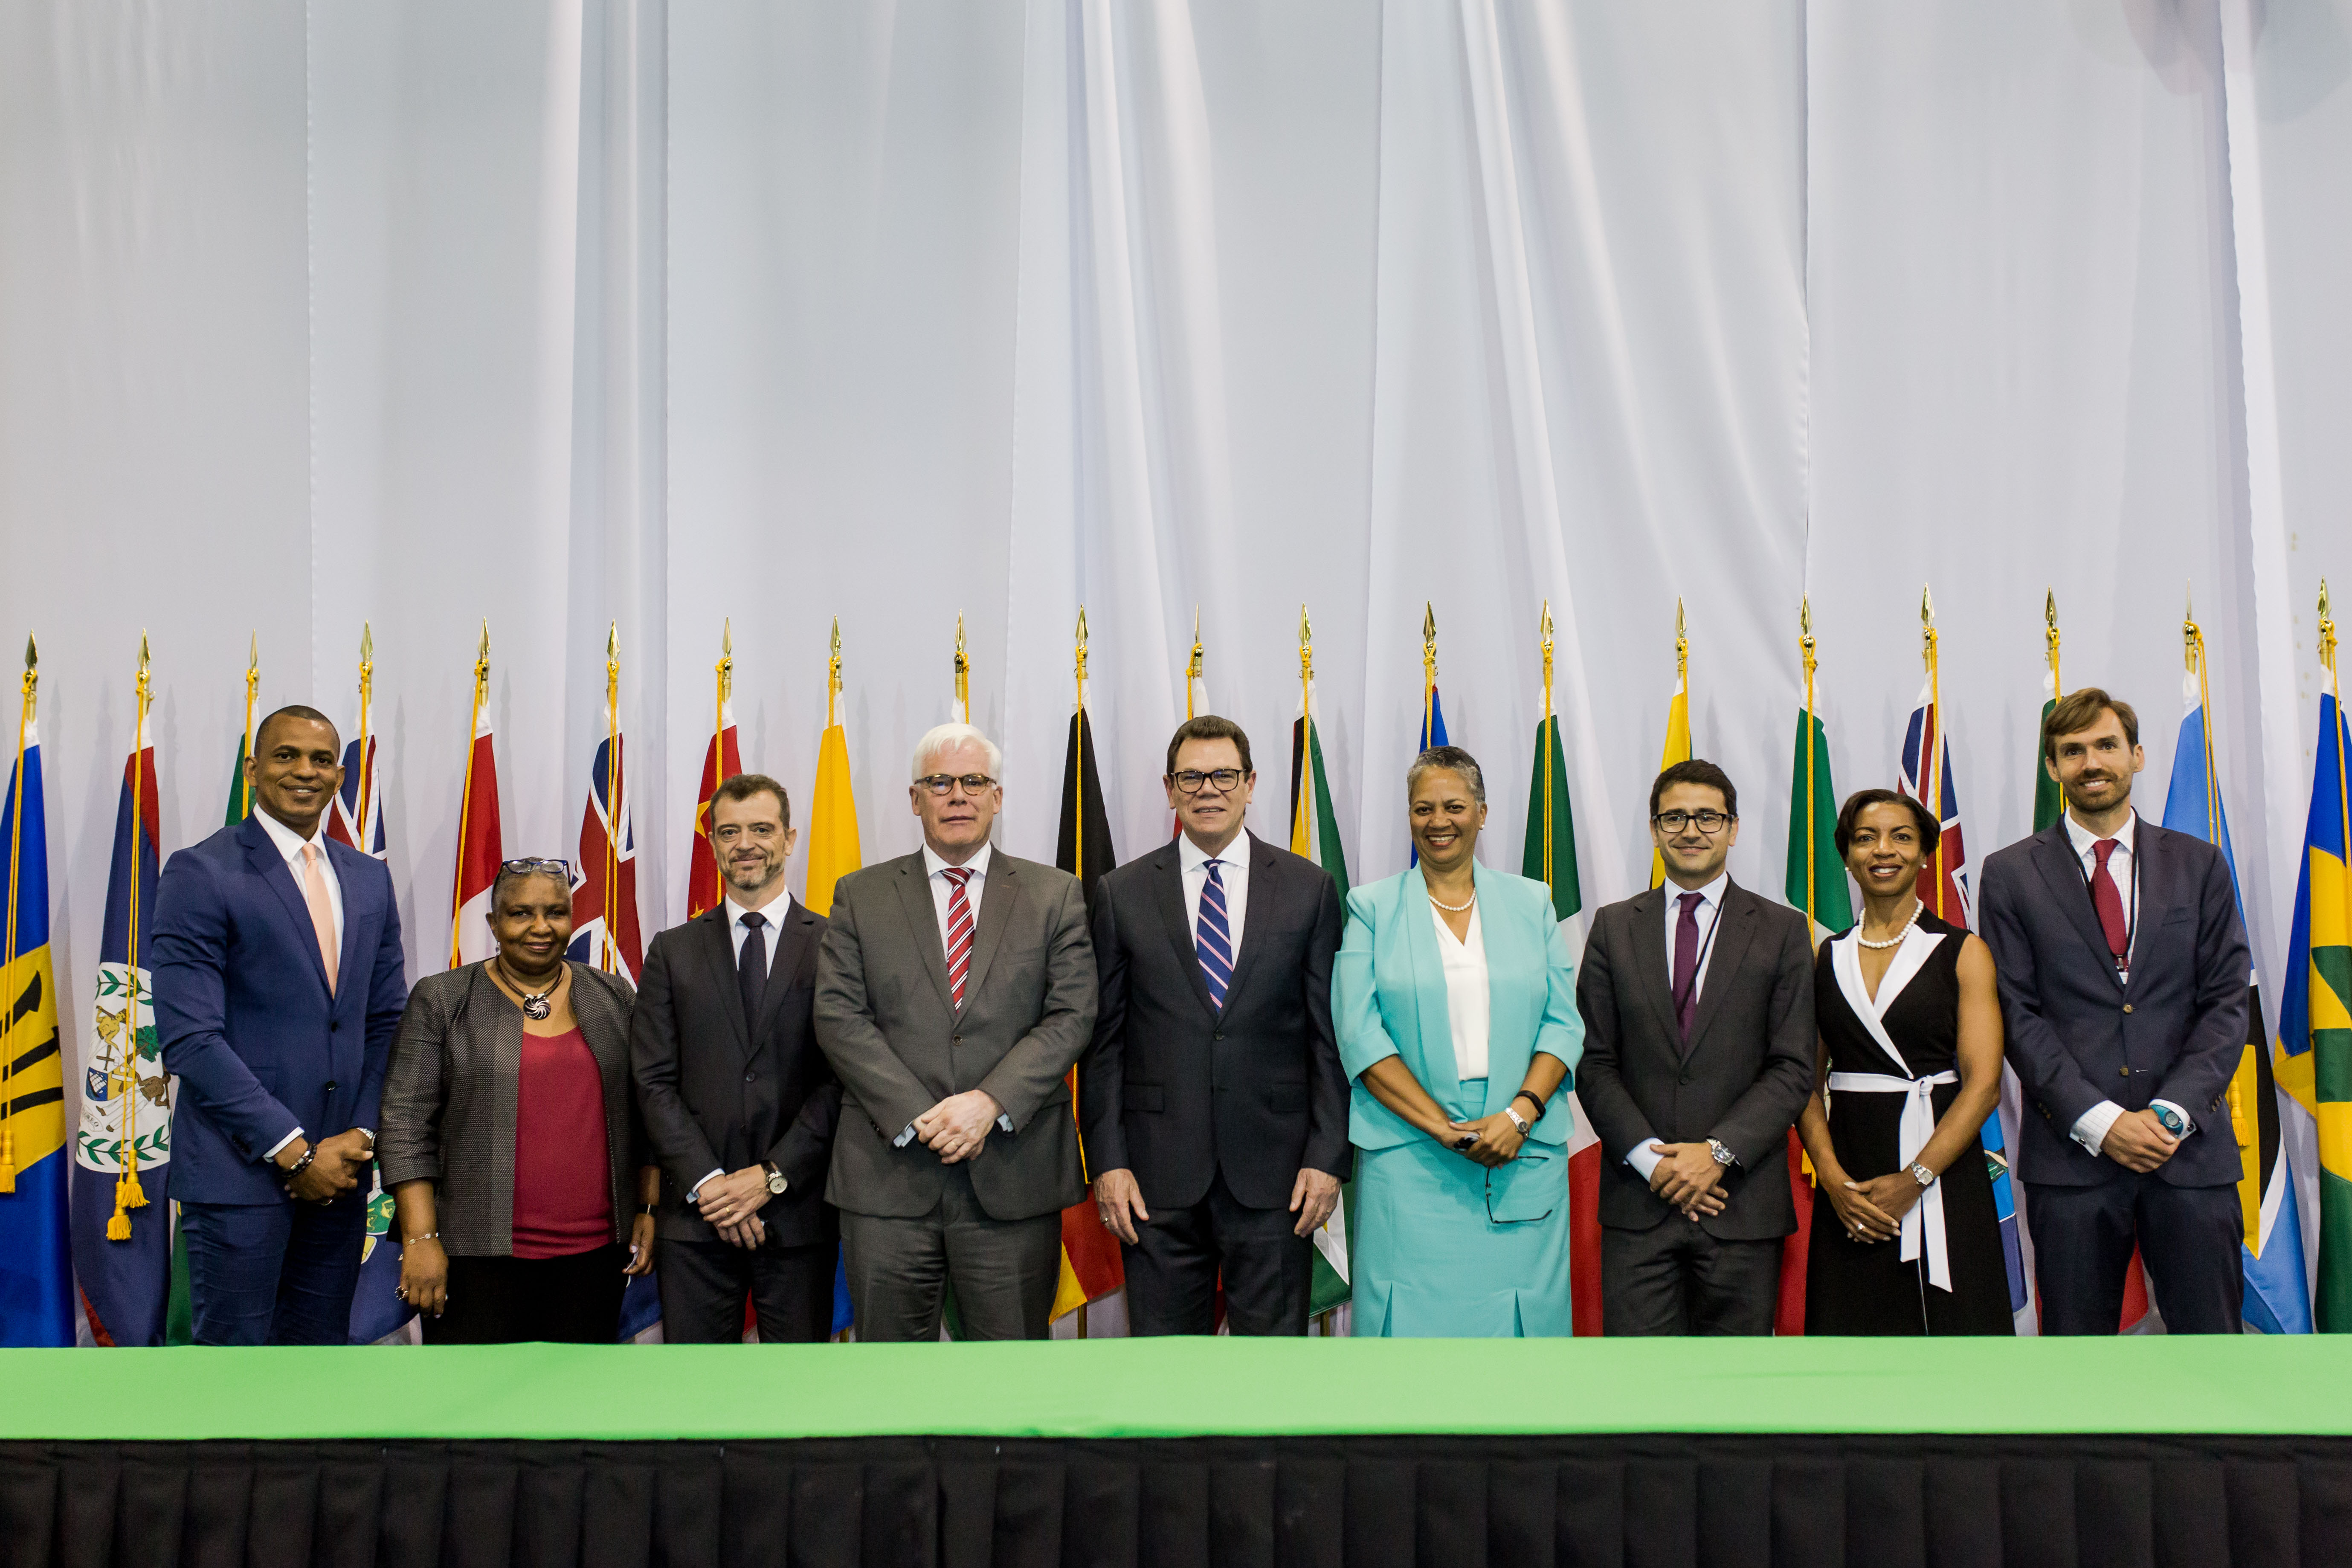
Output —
(1452, 909)
(1894, 941)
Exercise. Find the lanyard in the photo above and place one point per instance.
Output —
(2131, 912)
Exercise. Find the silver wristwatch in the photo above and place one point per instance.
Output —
(1921, 1174)
(1722, 1153)
(1521, 1123)
(776, 1183)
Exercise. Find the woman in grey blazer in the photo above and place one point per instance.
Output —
(511, 1143)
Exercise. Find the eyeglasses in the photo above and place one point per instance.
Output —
(535, 864)
(941, 784)
(1191, 780)
(1524, 1158)
(1707, 822)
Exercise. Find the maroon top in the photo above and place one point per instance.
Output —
(562, 1190)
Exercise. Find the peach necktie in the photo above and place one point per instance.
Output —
(322, 909)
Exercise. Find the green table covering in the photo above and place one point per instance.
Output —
(1164, 1389)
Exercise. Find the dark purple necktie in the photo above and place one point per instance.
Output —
(1687, 962)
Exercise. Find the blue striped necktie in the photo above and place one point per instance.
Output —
(1215, 940)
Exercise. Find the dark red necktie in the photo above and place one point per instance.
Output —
(1687, 962)
(959, 930)
(2110, 905)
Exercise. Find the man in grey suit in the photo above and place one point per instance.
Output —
(955, 989)
(1698, 1053)
(2123, 968)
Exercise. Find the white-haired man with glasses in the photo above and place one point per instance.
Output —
(955, 989)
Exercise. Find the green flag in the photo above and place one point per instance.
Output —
(1315, 833)
(1816, 875)
(1550, 856)
(2048, 799)
(240, 793)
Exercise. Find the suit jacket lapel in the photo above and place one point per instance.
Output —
(996, 896)
(1167, 892)
(347, 861)
(795, 937)
(261, 855)
(718, 944)
(2157, 894)
(1650, 961)
(1735, 927)
(1438, 1071)
(2062, 873)
(915, 897)
(1262, 875)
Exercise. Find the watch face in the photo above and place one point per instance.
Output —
(776, 1182)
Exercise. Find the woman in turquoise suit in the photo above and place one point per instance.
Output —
(1455, 1005)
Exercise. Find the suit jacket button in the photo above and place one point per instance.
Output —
(956, 1040)
(331, 1086)
(751, 1077)
(2127, 1007)
(1218, 1035)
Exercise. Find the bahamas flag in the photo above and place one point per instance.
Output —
(121, 1178)
(35, 1270)
(2277, 1297)
(2315, 1044)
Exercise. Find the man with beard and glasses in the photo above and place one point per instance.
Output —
(2122, 969)
(738, 1103)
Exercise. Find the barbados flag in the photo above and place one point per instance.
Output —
(2314, 1040)
(122, 1151)
(36, 1269)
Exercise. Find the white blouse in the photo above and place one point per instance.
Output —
(1466, 992)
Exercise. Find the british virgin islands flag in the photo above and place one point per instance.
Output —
(36, 1269)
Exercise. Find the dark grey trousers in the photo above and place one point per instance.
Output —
(1003, 1271)
(1675, 1278)
(1173, 1269)
(2190, 1238)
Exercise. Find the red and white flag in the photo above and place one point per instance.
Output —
(604, 930)
(479, 851)
(355, 816)
(721, 761)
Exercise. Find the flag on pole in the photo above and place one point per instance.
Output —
(121, 1175)
(355, 816)
(2313, 1063)
(1091, 1264)
(721, 761)
(833, 846)
(480, 844)
(604, 930)
(1926, 776)
(2048, 800)
(1432, 710)
(35, 1266)
(1314, 835)
(2277, 1295)
(1678, 748)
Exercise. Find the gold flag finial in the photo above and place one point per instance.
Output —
(2326, 633)
(33, 652)
(613, 643)
(367, 642)
(2049, 637)
(1543, 628)
(1306, 633)
(1082, 652)
(252, 653)
(484, 653)
(1193, 667)
(962, 675)
(725, 669)
(837, 642)
(1926, 626)
(1682, 644)
(1428, 651)
(2192, 638)
(1805, 644)
(144, 657)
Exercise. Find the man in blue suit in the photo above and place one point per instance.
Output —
(278, 982)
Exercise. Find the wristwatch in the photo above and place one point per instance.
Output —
(1921, 1174)
(1722, 1153)
(1521, 1123)
(776, 1183)
(2170, 1119)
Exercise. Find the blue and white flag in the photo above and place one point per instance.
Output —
(36, 1264)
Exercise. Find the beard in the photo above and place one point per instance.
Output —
(2075, 797)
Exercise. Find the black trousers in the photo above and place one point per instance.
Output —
(2190, 1238)
(573, 1301)
(1675, 1278)
(704, 1285)
(1004, 1271)
(1173, 1267)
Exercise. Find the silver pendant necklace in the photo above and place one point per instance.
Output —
(1894, 941)
(535, 1004)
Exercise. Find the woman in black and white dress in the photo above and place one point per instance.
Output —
(1905, 1238)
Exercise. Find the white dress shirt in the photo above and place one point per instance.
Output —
(1232, 872)
(1642, 1157)
(1466, 998)
(774, 912)
(936, 869)
(2091, 1127)
(289, 844)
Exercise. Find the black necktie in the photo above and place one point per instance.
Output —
(751, 972)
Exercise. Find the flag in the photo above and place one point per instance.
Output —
(2049, 800)
(2277, 1295)
(1315, 834)
(604, 930)
(1091, 1264)
(721, 761)
(1432, 733)
(1677, 749)
(122, 1176)
(355, 816)
(35, 1270)
(1928, 769)
(478, 850)
(1815, 884)
(2313, 1063)
(833, 846)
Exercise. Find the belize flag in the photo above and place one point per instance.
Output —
(35, 1270)
(121, 1177)
(604, 930)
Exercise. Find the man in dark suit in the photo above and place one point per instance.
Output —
(2122, 969)
(279, 983)
(956, 988)
(1215, 1107)
(1698, 1053)
(737, 1100)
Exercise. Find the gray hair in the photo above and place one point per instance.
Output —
(1448, 759)
(943, 737)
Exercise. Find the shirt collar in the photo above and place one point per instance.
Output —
(1191, 857)
(2082, 838)
(1712, 894)
(773, 911)
(289, 842)
(977, 865)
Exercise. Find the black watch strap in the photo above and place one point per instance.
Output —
(1529, 1095)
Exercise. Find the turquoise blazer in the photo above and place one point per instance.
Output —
(1388, 999)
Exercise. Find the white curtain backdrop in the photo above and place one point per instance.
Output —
(570, 313)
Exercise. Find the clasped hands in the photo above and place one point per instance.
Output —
(1495, 1139)
(1874, 1210)
(956, 1129)
(1688, 1176)
(2138, 1141)
(340, 1162)
(732, 1202)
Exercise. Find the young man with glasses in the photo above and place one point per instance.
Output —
(955, 990)
(738, 1103)
(1698, 1054)
(1213, 1104)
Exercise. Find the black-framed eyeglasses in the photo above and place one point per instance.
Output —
(1192, 781)
(535, 864)
(1524, 1158)
(1709, 822)
(941, 784)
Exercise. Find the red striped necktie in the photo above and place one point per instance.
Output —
(959, 930)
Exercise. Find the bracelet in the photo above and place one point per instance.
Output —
(648, 1208)
(294, 1171)
(1529, 1095)
(413, 1240)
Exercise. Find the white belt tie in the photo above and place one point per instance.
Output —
(1924, 1224)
